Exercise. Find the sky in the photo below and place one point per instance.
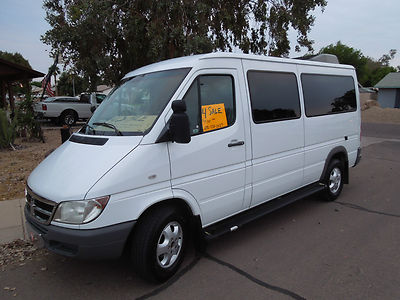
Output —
(369, 25)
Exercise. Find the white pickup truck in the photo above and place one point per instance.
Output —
(67, 110)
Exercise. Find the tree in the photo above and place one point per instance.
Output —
(36, 83)
(109, 38)
(349, 56)
(68, 83)
(16, 58)
(386, 58)
(369, 71)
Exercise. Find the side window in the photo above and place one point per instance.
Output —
(64, 100)
(85, 98)
(100, 98)
(273, 96)
(210, 103)
(328, 94)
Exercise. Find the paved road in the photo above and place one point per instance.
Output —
(389, 131)
(348, 249)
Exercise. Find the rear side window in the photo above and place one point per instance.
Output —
(100, 98)
(328, 94)
(274, 96)
(210, 103)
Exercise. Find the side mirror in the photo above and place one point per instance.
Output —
(179, 123)
(92, 109)
(178, 130)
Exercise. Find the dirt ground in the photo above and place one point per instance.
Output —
(15, 166)
(376, 114)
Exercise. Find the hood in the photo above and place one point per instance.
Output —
(73, 168)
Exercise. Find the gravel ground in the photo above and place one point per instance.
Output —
(18, 252)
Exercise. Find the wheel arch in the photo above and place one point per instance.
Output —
(181, 201)
(175, 202)
(339, 153)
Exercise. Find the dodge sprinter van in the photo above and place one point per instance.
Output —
(197, 145)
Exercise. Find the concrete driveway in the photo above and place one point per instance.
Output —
(348, 249)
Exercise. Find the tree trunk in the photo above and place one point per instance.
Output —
(3, 102)
(11, 99)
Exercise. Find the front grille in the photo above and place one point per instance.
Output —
(40, 208)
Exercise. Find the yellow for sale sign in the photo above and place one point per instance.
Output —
(213, 116)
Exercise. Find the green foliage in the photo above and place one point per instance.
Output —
(107, 39)
(16, 58)
(376, 74)
(67, 82)
(369, 71)
(349, 56)
(36, 83)
(386, 58)
(7, 131)
(25, 123)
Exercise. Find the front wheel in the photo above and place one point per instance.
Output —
(334, 180)
(158, 244)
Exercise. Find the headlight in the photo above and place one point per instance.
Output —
(79, 212)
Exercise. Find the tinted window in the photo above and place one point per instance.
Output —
(66, 100)
(210, 103)
(273, 96)
(100, 98)
(327, 94)
(85, 98)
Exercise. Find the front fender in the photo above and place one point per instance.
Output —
(189, 199)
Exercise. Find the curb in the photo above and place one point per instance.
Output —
(12, 221)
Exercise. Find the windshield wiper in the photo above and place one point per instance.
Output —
(105, 124)
(90, 127)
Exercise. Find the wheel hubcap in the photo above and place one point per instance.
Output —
(69, 120)
(335, 179)
(169, 244)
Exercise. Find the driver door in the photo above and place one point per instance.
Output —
(212, 166)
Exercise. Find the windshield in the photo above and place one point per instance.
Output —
(133, 107)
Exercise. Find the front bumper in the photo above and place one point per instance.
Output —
(101, 243)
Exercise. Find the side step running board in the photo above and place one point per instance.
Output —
(234, 222)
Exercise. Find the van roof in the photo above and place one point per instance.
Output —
(191, 61)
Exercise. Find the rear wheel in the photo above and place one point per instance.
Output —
(158, 244)
(334, 180)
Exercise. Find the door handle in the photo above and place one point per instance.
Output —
(235, 143)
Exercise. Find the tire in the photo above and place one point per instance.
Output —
(68, 117)
(162, 231)
(334, 180)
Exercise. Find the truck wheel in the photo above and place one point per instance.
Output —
(334, 180)
(158, 244)
(68, 118)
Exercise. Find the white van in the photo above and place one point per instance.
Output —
(196, 145)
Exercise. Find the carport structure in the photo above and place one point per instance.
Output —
(11, 73)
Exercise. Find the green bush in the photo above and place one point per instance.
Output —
(26, 125)
(7, 131)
